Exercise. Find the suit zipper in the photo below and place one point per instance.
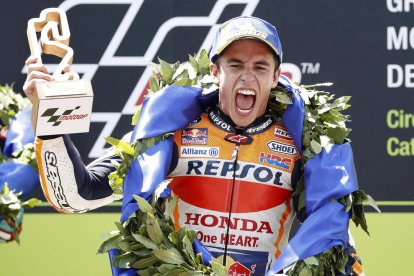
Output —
(234, 158)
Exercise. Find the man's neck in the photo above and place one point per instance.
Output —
(224, 122)
(227, 119)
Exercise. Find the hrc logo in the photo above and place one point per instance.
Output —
(274, 160)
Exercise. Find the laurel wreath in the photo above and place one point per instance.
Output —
(11, 208)
(149, 243)
(324, 125)
(10, 104)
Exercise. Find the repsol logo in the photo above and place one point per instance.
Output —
(220, 123)
(282, 148)
(241, 170)
(54, 180)
(241, 224)
(280, 133)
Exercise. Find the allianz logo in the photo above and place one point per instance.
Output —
(200, 152)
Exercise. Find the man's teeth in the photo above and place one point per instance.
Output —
(243, 110)
(247, 92)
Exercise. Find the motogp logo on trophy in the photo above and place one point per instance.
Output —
(65, 116)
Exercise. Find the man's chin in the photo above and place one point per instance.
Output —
(242, 119)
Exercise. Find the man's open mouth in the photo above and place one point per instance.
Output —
(245, 100)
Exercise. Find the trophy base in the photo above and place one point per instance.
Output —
(62, 107)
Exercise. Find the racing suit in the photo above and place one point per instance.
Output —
(233, 186)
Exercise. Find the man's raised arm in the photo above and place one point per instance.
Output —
(67, 183)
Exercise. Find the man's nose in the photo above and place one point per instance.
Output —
(247, 75)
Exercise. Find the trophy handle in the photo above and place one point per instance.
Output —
(54, 40)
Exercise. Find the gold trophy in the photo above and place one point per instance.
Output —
(62, 106)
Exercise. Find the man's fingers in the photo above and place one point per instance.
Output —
(31, 60)
(36, 72)
(37, 67)
(33, 82)
(29, 89)
(33, 75)
(66, 68)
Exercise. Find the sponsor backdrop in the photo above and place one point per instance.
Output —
(364, 47)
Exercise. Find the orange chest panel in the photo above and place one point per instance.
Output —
(212, 162)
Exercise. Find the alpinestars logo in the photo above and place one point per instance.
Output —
(239, 139)
(56, 119)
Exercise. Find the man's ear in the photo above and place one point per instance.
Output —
(276, 78)
(214, 70)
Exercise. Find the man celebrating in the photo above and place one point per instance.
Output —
(233, 170)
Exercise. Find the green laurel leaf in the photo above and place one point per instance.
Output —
(145, 262)
(154, 229)
(168, 256)
(144, 206)
(148, 243)
(120, 144)
(166, 70)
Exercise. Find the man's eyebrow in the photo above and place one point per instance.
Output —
(259, 62)
(230, 60)
(262, 62)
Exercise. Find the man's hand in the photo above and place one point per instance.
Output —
(36, 72)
